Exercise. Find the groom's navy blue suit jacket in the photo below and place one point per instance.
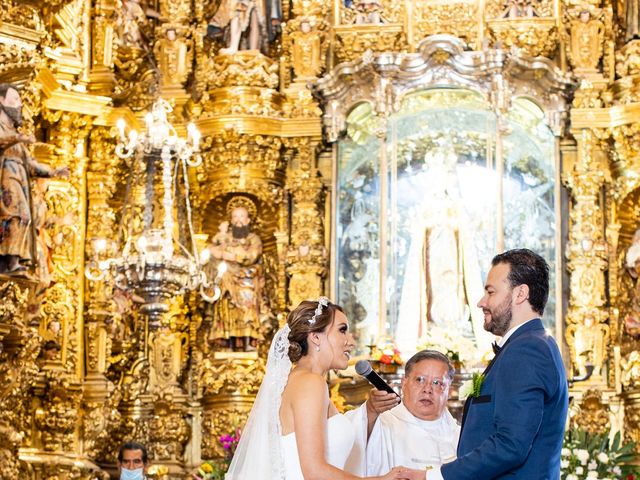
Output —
(514, 429)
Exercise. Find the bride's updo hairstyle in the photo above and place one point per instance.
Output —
(305, 320)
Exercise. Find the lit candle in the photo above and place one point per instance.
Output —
(148, 120)
(617, 367)
(121, 124)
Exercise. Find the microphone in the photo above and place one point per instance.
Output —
(364, 368)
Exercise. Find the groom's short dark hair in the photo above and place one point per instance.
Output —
(429, 355)
(530, 269)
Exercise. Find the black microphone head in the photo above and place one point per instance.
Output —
(363, 367)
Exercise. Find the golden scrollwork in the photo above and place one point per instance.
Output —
(56, 417)
(631, 370)
(591, 414)
(587, 333)
(353, 42)
(227, 376)
(222, 420)
(243, 69)
(538, 37)
(455, 18)
(632, 420)
(628, 59)
(168, 432)
(586, 35)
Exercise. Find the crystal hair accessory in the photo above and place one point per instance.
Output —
(322, 302)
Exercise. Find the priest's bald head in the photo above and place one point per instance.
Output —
(425, 386)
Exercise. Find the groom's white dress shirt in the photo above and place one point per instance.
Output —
(399, 438)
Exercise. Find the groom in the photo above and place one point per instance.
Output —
(513, 429)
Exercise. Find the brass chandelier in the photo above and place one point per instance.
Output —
(158, 256)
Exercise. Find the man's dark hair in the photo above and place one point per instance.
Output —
(530, 269)
(133, 446)
(5, 87)
(429, 355)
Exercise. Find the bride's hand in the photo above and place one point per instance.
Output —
(403, 473)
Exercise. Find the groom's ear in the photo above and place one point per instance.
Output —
(522, 294)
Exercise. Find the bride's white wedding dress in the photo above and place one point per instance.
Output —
(338, 441)
(263, 452)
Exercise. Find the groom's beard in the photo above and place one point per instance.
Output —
(14, 114)
(500, 318)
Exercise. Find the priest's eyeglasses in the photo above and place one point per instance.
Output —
(437, 383)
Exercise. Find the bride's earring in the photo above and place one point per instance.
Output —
(317, 348)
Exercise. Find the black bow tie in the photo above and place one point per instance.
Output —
(496, 347)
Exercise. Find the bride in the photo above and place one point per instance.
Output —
(294, 432)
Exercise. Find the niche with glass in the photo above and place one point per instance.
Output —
(424, 200)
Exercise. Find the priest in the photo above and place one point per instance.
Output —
(418, 432)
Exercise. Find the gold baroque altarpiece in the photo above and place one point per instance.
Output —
(269, 120)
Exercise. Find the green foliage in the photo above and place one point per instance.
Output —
(596, 456)
(477, 380)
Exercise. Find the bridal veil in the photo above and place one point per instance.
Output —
(259, 453)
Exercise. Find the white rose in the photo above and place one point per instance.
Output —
(571, 476)
(564, 464)
(617, 470)
(592, 475)
(579, 470)
(465, 390)
(593, 465)
(603, 458)
(565, 452)
(583, 456)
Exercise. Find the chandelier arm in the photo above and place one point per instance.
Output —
(187, 192)
(125, 205)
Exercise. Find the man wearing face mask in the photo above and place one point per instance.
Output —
(17, 167)
(133, 461)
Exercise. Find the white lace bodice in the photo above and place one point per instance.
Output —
(338, 444)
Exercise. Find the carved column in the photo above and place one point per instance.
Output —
(587, 331)
(168, 427)
(58, 392)
(229, 388)
(19, 347)
(101, 318)
(102, 78)
(102, 177)
(306, 255)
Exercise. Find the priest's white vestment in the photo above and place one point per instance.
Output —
(399, 438)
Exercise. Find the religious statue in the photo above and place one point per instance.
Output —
(237, 257)
(590, 344)
(520, 9)
(632, 263)
(17, 215)
(133, 16)
(442, 280)
(246, 24)
(368, 11)
(174, 55)
(44, 242)
(307, 51)
(587, 35)
(632, 19)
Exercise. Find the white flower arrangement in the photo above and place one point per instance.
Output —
(587, 456)
(452, 343)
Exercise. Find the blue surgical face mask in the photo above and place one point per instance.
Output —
(137, 474)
